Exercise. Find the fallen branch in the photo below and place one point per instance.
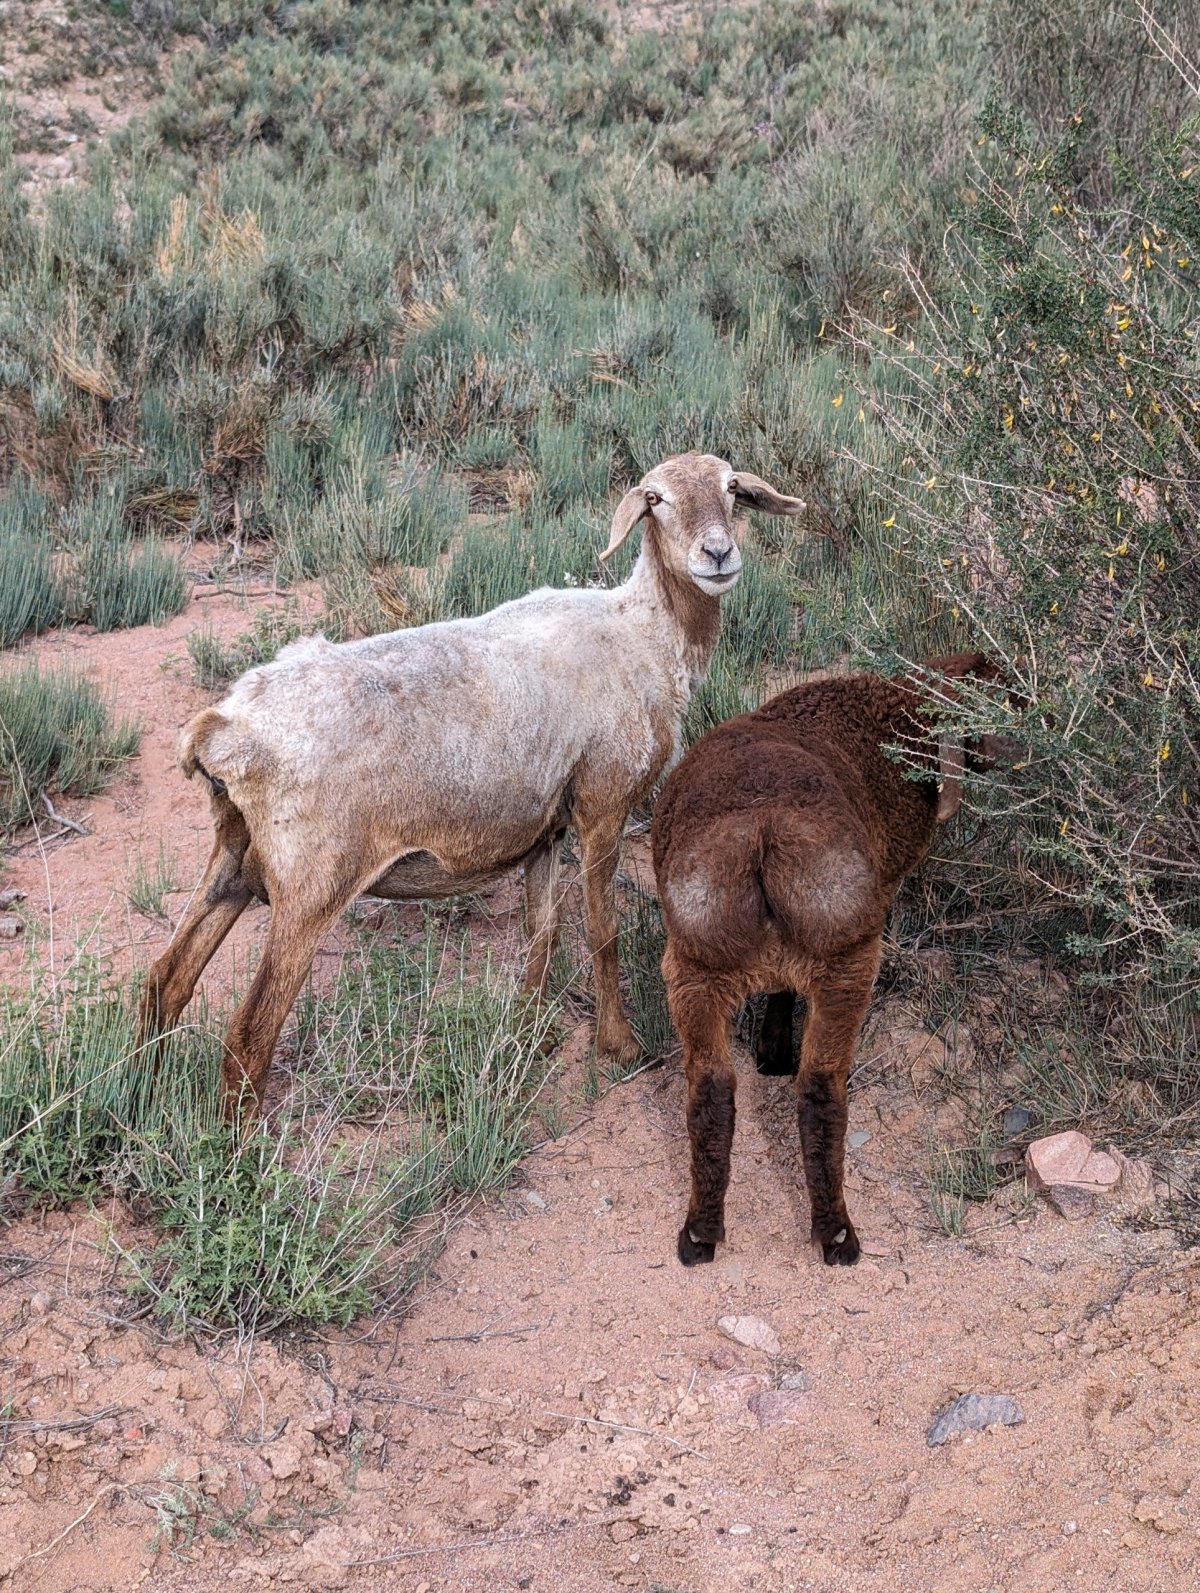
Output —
(61, 818)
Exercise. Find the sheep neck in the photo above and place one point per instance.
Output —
(694, 618)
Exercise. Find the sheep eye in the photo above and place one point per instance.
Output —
(653, 499)
(732, 485)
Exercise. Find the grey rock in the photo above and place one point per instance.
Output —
(859, 1137)
(10, 927)
(1016, 1120)
(796, 1382)
(9, 898)
(1073, 1204)
(971, 1413)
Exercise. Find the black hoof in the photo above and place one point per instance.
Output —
(842, 1250)
(694, 1252)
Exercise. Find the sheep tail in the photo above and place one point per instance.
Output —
(214, 747)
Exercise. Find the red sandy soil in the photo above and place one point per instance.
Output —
(558, 1409)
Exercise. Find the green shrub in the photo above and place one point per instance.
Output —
(216, 663)
(1048, 502)
(30, 594)
(56, 734)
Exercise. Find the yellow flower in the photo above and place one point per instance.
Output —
(1149, 680)
(890, 521)
(838, 401)
(1165, 752)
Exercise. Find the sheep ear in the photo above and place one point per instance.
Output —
(630, 510)
(752, 492)
(951, 764)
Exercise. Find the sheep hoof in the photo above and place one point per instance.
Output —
(694, 1252)
(842, 1250)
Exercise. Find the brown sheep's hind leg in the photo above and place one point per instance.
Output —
(774, 1051)
(702, 1012)
(834, 1018)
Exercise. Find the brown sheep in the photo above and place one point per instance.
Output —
(779, 842)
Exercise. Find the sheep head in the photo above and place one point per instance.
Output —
(690, 500)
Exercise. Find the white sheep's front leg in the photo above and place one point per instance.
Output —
(600, 847)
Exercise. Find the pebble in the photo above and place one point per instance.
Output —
(1069, 1201)
(1016, 1120)
(858, 1138)
(971, 1413)
(10, 926)
(532, 1198)
(739, 1530)
(780, 1407)
(41, 1303)
(751, 1331)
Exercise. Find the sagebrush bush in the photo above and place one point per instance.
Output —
(56, 734)
(1048, 499)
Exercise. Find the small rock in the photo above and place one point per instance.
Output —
(533, 1199)
(1070, 1159)
(213, 1424)
(24, 1464)
(733, 1395)
(858, 1138)
(1161, 1514)
(751, 1331)
(780, 1407)
(739, 1529)
(971, 1413)
(9, 898)
(1071, 1202)
(1016, 1120)
(41, 1303)
(622, 1531)
(797, 1382)
(10, 926)
(1070, 1528)
(283, 1458)
(1137, 1187)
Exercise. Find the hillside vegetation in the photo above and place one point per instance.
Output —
(393, 297)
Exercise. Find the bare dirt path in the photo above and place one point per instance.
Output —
(559, 1409)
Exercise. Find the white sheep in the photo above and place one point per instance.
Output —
(429, 762)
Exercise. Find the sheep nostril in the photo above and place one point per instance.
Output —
(718, 555)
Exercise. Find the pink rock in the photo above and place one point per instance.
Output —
(1062, 1159)
(780, 1407)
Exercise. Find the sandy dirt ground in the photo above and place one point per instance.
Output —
(559, 1409)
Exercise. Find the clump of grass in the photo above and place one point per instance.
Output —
(435, 1064)
(641, 945)
(82, 1107)
(959, 1174)
(216, 663)
(56, 734)
(30, 592)
(151, 883)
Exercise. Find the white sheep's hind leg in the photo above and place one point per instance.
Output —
(542, 903)
(297, 926)
(601, 846)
